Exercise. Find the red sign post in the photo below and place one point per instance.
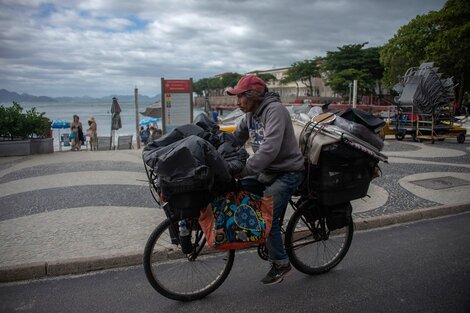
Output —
(177, 85)
(177, 103)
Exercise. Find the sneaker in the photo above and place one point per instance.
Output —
(276, 274)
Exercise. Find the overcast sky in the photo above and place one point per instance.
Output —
(103, 47)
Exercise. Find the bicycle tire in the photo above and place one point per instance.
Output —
(175, 276)
(311, 251)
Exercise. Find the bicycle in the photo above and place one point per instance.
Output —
(313, 243)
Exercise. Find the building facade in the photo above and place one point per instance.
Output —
(295, 89)
(290, 93)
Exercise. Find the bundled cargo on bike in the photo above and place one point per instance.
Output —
(341, 155)
(186, 166)
(189, 254)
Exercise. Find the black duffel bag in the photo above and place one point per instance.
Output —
(188, 195)
(342, 174)
(338, 216)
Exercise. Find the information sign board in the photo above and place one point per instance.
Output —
(177, 103)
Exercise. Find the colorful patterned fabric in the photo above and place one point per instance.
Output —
(237, 220)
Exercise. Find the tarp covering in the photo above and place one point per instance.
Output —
(184, 153)
(357, 122)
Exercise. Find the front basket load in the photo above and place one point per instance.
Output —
(187, 195)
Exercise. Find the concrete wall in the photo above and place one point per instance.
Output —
(15, 147)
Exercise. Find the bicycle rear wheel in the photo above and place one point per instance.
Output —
(311, 246)
(184, 277)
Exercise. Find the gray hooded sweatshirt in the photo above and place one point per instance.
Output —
(273, 139)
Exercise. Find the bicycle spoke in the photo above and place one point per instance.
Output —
(312, 248)
(184, 277)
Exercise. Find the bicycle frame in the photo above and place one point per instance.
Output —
(295, 207)
(198, 246)
(206, 268)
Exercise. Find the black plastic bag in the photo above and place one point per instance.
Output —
(373, 123)
(175, 135)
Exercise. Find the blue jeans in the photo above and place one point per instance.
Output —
(281, 189)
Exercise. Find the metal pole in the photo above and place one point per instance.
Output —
(60, 142)
(136, 105)
(354, 93)
(112, 132)
(350, 96)
(162, 82)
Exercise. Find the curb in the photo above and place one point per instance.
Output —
(67, 266)
(84, 265)
(410, 216)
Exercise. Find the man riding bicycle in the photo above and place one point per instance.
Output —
(277, 160)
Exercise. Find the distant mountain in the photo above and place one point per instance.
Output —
(8, 96)
(142, 98)
(67, 99)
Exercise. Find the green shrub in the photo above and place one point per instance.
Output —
(14, 124)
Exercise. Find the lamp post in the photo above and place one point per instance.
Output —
(350, 90)
(136, 107)
(354, 93)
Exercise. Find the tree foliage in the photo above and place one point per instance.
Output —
(303, 71)
(441, 37)
(353, 62)
(200, 86)
(407, 48)
(215, 86)
(230, 80)
(266, 77)
(451, 46)
(15, 124)
(12, 122)
(341, 81)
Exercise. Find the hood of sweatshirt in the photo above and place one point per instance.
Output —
(269, 97)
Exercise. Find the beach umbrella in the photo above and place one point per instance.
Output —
(58, 124)
(116, 119)
(154, 110)
(149, 120)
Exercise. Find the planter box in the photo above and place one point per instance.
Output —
(15, 147)
(42, 145)
(26, 147)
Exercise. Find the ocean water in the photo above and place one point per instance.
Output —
(100, 110)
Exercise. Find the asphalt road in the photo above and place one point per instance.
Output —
(416, 267)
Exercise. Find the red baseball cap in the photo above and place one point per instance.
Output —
(248, 82)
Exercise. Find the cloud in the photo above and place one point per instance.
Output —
(101, 47)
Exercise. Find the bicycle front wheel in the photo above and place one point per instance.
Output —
(311, 246)
(184, 277)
